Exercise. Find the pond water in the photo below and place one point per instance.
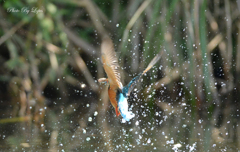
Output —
(159, 130)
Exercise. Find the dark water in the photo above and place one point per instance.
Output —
(168, 130)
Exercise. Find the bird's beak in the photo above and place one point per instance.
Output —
(103, 80)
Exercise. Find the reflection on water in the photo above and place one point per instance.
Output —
(168, 130)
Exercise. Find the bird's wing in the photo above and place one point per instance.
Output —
(128, 89)
(110, 63)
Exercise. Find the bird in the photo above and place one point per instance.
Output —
(118, 94)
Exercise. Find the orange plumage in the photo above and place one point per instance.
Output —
(112, 96)
(111, 67)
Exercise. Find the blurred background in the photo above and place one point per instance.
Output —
(50, 62)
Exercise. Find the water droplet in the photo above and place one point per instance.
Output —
(88, 138)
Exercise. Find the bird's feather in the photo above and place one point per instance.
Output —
(128, 88)
(123, 107)
(110, 64)
(113, 95)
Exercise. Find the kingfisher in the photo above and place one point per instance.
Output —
(118, 94)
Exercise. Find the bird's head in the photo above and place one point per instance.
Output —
(103, 81)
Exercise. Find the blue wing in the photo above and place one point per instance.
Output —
(128, 88)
